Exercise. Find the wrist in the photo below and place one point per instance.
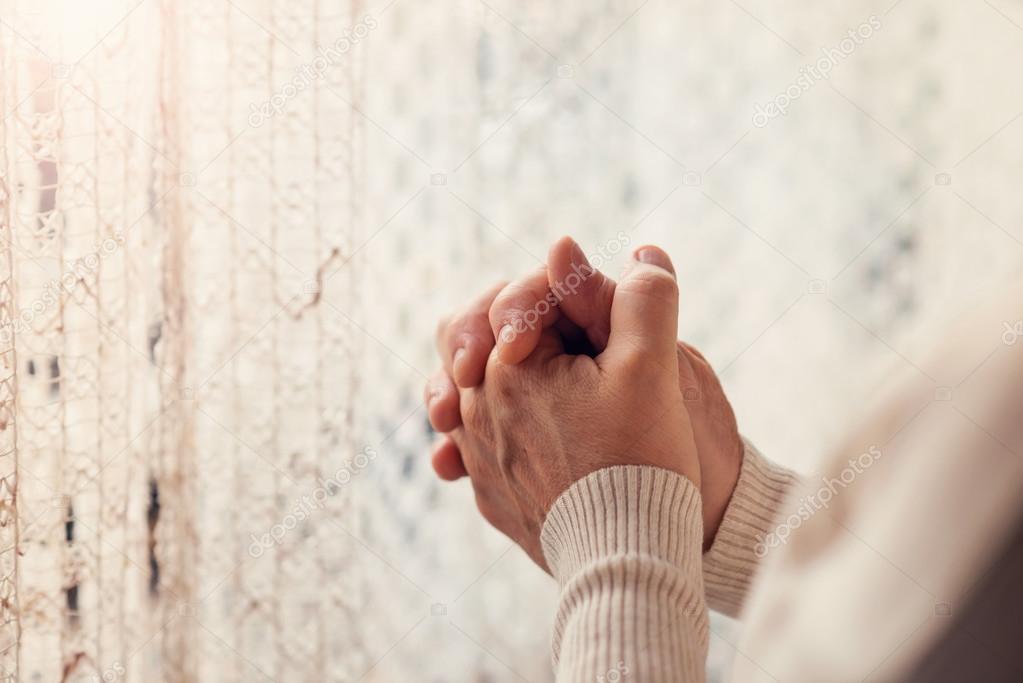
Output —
(621, 511)
(717, 496)
(743, 536)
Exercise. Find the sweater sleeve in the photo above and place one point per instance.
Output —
(732, 560)
(624, 544)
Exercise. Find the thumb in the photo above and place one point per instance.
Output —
(584, 293)
(644, 313)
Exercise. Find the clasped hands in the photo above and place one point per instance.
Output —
(565, 372)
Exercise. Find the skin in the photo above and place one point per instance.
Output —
(581, 322)
(533, 428)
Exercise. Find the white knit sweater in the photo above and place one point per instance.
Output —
(870, 564)
(624, 544)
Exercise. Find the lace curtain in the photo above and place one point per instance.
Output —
(229, 227)
(173, 390)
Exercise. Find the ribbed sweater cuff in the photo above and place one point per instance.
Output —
(619, 511)
(731, 562)
(624, 543)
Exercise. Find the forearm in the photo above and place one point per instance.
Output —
(624, 543)
(733, 558)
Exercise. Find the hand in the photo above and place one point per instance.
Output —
(582, 317)
(532, 429)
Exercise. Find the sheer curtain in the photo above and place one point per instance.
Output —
(173, 389)
(229, 227)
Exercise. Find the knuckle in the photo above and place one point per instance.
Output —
(443, 414)
(519, 297)
(473, 410)
(464, 319)
(430, 400)
(635, 363)
(645, 373)
(652, 283)
(502, 378)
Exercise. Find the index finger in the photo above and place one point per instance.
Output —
(520, 313)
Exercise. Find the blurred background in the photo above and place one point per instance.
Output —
(230, 227)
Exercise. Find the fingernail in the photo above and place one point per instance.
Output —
(456, 360)
(654, 257)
